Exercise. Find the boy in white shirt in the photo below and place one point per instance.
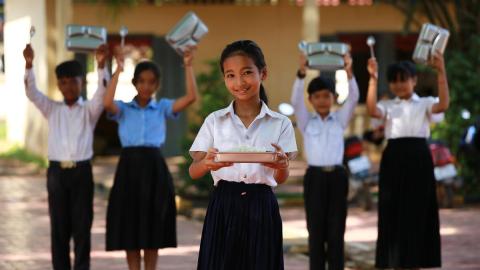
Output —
(326, 181)
(69, 177)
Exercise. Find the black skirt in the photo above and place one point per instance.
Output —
(141, 208)
(242, 229)
(408, 223)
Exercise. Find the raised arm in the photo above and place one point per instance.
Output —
(96, 104)
(443, 93)
(108, 101)
(345, 113)
(42, 102)
(297, 99)
(192, 92)
(372, 108)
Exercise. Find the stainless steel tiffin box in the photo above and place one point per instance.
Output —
(431, 39)
(187, 32)
(324, 55)
(246, 157)
(83, 38)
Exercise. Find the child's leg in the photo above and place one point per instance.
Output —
(59, 210)
(81, 203)
(337, 215)
(133, 259)
(150, 258)
(315, 207)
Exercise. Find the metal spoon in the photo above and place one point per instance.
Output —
(123, 33)
(32, 32)
(370, 43)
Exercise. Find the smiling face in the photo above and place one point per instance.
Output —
(403, 87)
(70, 87)
(146, 84)
(242, 77)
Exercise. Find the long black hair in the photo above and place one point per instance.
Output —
(250, 49)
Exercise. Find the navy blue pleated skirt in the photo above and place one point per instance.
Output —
(242, 229)
(141, 208)
(408, 222)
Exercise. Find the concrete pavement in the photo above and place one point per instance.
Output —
(24, 230)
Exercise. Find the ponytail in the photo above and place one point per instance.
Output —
(250, 49)
(263, 94)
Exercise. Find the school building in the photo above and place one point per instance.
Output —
(276, 25)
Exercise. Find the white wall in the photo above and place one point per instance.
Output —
(25, 124)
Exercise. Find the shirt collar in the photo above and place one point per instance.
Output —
(330, 116)
(80, 102)
(263, 111)
(414, 98)
(152, 104)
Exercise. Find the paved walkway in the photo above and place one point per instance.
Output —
(24, 231)
(25, 240)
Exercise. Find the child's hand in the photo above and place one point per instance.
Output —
(372, 68)
(209, 161)
(188, 55)
(348, 65)
(28, 54)
(281, 160)
(101, 54)
(437, 62)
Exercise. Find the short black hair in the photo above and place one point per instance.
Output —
(404, 69)
(321, 83)
(71, 68)
(143, 66)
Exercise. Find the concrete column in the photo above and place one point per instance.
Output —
(311, 21)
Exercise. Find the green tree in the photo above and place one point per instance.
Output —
(213, 96)
(462, 18)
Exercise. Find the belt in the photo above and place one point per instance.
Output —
(328, 168)
(69, 164)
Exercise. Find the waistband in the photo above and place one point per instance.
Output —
(68, 164)
(327, 168)
(228, 186)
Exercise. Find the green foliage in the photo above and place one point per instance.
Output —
(3, 130)
(463, 68)
(213, 96)
(18, 153)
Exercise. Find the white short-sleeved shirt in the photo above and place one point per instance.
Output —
(224, 130)
(407, 118)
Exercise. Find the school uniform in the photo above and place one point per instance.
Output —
(326, 181)
(69, 175)
(408, 222)
(141, 208)
(243, 227)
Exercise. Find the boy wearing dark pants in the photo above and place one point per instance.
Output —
(69, 177)
(326, 181)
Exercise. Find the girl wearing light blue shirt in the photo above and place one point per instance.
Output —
(141, 211)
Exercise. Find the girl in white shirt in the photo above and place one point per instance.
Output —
(408, 222)
(243, 227)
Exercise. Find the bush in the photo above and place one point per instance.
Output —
(463, 68)
(214, 96)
